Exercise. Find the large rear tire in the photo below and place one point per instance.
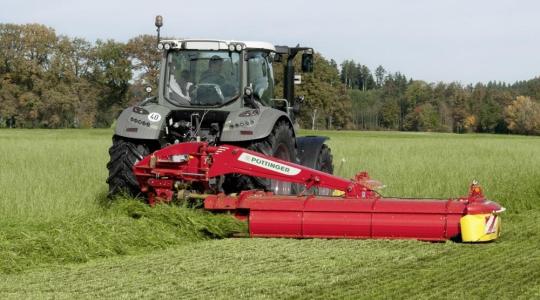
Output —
(281, 144)
(324, 164)
(124, 153)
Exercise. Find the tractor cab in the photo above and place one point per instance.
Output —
(217, 73)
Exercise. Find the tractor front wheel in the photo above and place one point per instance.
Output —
(124, 153)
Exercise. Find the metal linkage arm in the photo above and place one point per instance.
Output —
(199, 162)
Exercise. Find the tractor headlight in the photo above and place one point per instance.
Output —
(231, 47)
(167, 46)
(140, 110)
(249, 113)
(160, 46)
(238, 47)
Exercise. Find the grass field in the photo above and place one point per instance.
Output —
(60, 238)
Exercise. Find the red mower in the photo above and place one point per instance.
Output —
(194, 170)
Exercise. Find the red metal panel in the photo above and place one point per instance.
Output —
(409, 225)
(221, 202)
(277, 203)
(336, 225)
(482, 207)
(332, 217)
(456, 207)
(275, 223)
(417, 206)
(453, 228)
(337, 204)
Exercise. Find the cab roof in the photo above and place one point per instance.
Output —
(211, 44)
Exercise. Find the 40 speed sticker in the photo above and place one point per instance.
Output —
(268, 164)
(154, 117)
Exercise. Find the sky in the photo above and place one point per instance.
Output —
(435, 40)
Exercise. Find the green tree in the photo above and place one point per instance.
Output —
(323, 92)
(350, 74)
(422, 118)
(366, 81)
(145, 59)
(366, 108)
(380, 73)
(418, 93)
(394, 102)
(111, 74)
(390, 114)
(523, 116)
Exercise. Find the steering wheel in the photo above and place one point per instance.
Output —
(206, 94)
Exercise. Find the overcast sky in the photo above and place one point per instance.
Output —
(466, 41)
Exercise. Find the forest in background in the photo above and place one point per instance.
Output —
(55, 81)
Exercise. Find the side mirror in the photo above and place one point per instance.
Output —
(307, 62)
(278, 58)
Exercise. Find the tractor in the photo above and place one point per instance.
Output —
(219, 92)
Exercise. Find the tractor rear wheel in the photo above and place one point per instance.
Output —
(280, 144)
(124, 153)
(324, 164)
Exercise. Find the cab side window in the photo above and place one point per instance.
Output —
(260, 76)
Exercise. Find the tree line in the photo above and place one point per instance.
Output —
(391, 101)
(49, 80)
(52, 81)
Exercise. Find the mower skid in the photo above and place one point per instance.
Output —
(480, 228)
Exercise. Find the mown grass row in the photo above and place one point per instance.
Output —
(128, 226)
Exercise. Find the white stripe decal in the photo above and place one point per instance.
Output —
(490, 224)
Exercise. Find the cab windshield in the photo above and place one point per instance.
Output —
(202, 78)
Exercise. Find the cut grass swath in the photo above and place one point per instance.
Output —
(127, 227)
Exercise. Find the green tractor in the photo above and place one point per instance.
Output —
(222, 92)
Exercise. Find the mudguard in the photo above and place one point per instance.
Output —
(248, 125)
(309, 148)
(142, 122)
